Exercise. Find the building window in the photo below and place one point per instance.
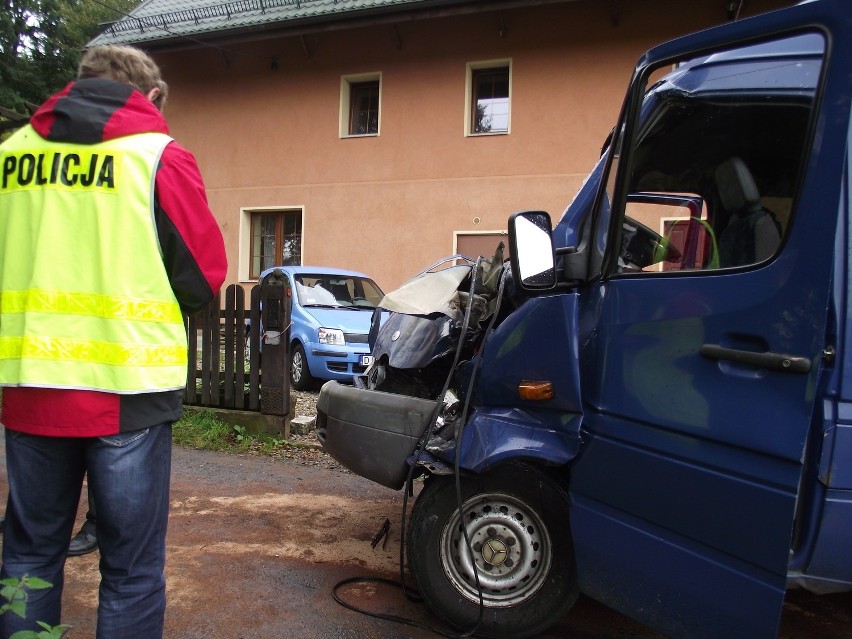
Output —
(489, 98)
(276, 240)
(360, 99)
(364, 109)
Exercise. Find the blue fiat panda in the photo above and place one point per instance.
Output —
(331, 309)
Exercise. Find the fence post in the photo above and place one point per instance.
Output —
(190, 322)
(210, 358)
(254, 348)
(275, 321)
(235, 361)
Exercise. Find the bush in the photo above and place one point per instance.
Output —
(201, 429)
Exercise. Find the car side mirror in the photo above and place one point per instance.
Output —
(531, 245)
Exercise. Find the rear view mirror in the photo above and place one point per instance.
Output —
(532, 250)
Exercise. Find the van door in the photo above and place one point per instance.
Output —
(701, 371)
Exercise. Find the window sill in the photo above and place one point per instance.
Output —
(488, 134)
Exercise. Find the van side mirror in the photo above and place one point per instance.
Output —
(531, 247)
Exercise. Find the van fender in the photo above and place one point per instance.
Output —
(496, 434)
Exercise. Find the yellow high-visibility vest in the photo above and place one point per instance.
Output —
(85, 302)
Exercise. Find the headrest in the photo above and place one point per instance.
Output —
(340, 291)
(736, 187)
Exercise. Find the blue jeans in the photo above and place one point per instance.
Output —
(129, 478)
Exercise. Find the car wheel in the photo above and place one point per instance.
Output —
(300, 376)
(517, 523)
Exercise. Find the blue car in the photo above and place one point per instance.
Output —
(331, 310)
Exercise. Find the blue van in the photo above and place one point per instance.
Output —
(651, 405)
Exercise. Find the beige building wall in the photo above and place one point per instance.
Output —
(263, 119)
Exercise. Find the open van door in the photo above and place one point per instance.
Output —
(702, 378)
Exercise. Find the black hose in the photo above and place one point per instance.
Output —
(416, 598)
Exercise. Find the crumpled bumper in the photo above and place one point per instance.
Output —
(370, 432)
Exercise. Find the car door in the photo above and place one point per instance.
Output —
(701, 381)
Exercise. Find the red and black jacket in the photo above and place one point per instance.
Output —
(91, 111)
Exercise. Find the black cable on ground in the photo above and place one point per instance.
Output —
(384, 617)
(408, 486)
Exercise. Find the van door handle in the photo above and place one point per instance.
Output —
(772, 361)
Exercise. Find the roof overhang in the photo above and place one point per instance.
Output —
(185, 29)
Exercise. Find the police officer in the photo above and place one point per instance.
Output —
(106, 238)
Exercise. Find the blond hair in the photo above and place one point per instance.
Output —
(127, 65)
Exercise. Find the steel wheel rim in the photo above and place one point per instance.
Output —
(509, 545)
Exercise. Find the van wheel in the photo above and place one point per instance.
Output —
(300, 376)
(517, 523)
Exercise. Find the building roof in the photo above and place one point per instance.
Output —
(162, 23)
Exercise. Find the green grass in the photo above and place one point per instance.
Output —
(202, 430)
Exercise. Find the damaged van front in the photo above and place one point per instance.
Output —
(429, 363)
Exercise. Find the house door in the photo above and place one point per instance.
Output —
(483, 244)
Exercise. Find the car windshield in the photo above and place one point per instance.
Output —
(337, 291)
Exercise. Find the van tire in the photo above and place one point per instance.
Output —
(515, 507)
(300, 375)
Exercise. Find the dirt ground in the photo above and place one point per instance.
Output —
(256, 546)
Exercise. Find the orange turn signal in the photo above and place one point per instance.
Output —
(535, 391)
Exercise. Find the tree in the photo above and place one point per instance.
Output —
(41, 42)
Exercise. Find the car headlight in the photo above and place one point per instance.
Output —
(331, 336)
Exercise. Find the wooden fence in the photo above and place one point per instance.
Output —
(224, 357)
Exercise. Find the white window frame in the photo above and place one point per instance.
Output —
(468, 95)
(346, 83)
